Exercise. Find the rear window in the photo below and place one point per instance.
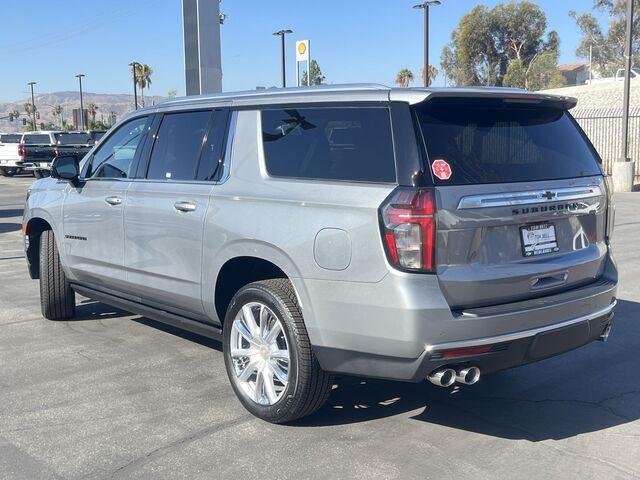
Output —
(489, 141)
(73, 138)
(10, 138)
(329, 143)
(37, 139)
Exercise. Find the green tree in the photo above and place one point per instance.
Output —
(172, 93)
(607, 47)
(540, 74)
(433, 73)
(92, 110)
(404, 77)
(488, 40)
(143, 74)
(317, 78)
(56, 111)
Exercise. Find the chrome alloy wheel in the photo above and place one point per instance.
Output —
(259, 353)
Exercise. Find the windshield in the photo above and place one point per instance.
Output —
(471, 141)
(73, 138)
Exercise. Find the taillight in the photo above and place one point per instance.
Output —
(611, 208)
(22, 151)
(409, 229)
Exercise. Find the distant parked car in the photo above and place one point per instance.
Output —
(96, 135)
(619, 77)
(38, 149)
(10, 161)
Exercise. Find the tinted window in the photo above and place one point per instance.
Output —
(73, 138)
(10, 138)
(329, 143)
(31, 139)
(115, 156)
(97, 135)
(211, 160)
(177, 146)
(494, 142)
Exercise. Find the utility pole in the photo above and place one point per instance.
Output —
(425, 7)
(83, 126)
(133, 66)
(624, 168)
(281, 34)
(33, 106)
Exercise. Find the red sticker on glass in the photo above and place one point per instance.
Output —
(441, 169)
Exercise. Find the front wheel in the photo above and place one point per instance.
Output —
(8, 172)
(57, 298)
(268, 355)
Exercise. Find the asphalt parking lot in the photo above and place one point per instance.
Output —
(114, 395)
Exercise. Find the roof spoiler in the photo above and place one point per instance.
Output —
(507, 95)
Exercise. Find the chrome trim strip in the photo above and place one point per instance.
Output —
(508, 199)
(509, 337)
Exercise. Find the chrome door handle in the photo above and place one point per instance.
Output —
(184, 206)
(113, 200)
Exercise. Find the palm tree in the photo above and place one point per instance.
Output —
(404, 77)
(56, 111)
(28, 108)
(92, 110)
(143, 78)
(433, 73)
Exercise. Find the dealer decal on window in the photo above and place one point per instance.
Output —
(441, 169)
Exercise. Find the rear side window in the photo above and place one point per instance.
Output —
(346, 143)
(177, 146)
(32, 139)
(491, 141)
(10, 138)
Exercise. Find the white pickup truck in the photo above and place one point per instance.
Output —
(10, 160)
(619, 77)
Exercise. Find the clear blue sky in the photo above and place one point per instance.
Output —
(353, 40)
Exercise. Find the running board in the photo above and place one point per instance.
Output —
(163, 316)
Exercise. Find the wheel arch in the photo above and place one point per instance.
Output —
(33, 230)
(248, 261)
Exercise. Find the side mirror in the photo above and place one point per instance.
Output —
(66, 168)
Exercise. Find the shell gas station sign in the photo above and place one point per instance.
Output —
(302, 55)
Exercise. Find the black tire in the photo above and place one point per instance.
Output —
(57, 298)
(8, 172)
(308, 385)
(37, 174)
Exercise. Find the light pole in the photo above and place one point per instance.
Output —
(282, 33)
(425, 7)
(33, 105)
(79, 77)
(133, 66)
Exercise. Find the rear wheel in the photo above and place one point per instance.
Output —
(8, 172)
(268, 356)
(57, 298)
(37, 174)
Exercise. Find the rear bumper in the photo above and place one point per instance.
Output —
(407, 342)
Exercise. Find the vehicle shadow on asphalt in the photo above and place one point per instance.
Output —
(13, 212)
(7, 227)
(87, 309)
(592, 388)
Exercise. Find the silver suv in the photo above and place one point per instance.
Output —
(406, 234)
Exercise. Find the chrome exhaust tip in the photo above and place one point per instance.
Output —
(468, 375)
(444, 377)
(604, 336)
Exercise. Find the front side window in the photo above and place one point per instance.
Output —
(177, 146)
(115, 156)
(341, 143)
